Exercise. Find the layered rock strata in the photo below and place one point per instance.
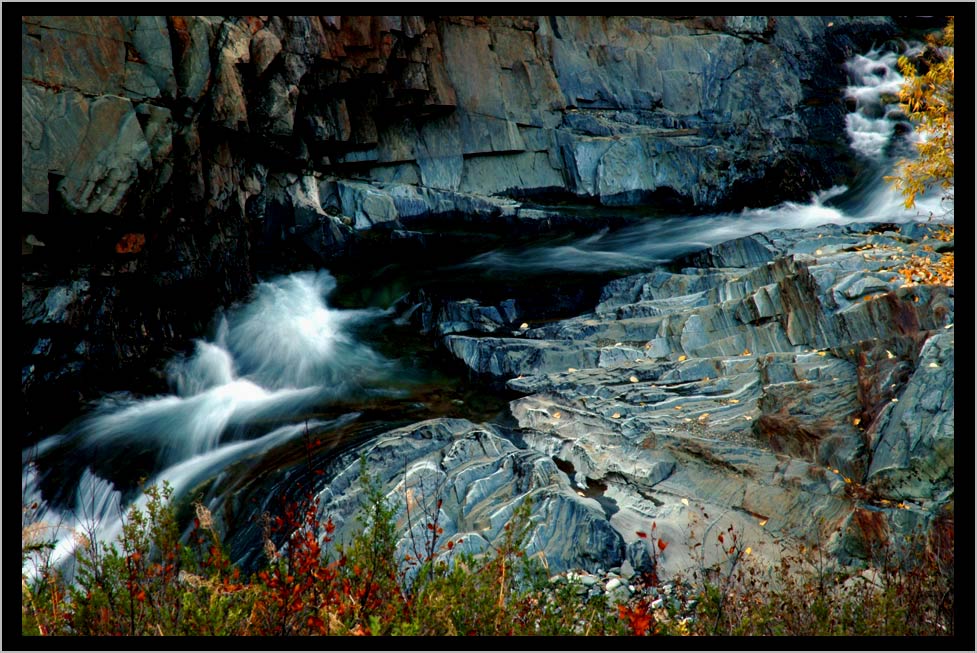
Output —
(796, 391)
(166, 158)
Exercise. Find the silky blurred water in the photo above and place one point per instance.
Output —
(276, 363)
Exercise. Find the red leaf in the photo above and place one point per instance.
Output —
(720, 537)
(641, 534)
(130, 244)
(662, 545)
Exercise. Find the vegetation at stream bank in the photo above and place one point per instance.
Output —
(152, 581)
(927, 98)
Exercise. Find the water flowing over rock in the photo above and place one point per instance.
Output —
(785, 383)
(780, 395)
(225, 142)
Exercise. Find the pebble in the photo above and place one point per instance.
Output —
(610, 583)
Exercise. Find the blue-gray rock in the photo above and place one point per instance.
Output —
(480, 478)
(777, 394)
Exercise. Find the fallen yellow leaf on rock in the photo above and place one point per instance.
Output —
(857, 421)
(703, 417)
(748, 550)
(524, 325)
(747, 418)
(734, 401)
(682, 358)
(571, 369)
(818, 252)
(615, 415)
(679, 407)
(556, 415)
(633, 379)
(746, 352)
(685, 501)
(889, 354)
(822, 353)
(933, 365)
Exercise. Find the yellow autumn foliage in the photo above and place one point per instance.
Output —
(928, 101)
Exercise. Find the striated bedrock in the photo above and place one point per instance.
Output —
(167, 158)
(468, 480)
(614, 108)
(798, 390)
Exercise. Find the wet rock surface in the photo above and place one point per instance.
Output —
(468, 479)
(224, 145)
(691, 401)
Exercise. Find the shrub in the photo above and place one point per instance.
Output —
(927, 99)
(152, 582)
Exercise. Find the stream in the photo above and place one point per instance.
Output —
(326, 354)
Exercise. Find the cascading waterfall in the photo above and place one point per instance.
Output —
(272, 359)
(875, 91)
(879, 134)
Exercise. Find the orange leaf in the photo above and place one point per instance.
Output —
(130, 244)
(662, 545)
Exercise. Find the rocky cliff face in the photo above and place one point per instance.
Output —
(163, 156)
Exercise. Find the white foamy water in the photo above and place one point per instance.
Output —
(876, 82)
(288, 337)
(272, 357)
(98, 507)
(872, 132)
(275, 358)
(271, 361)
